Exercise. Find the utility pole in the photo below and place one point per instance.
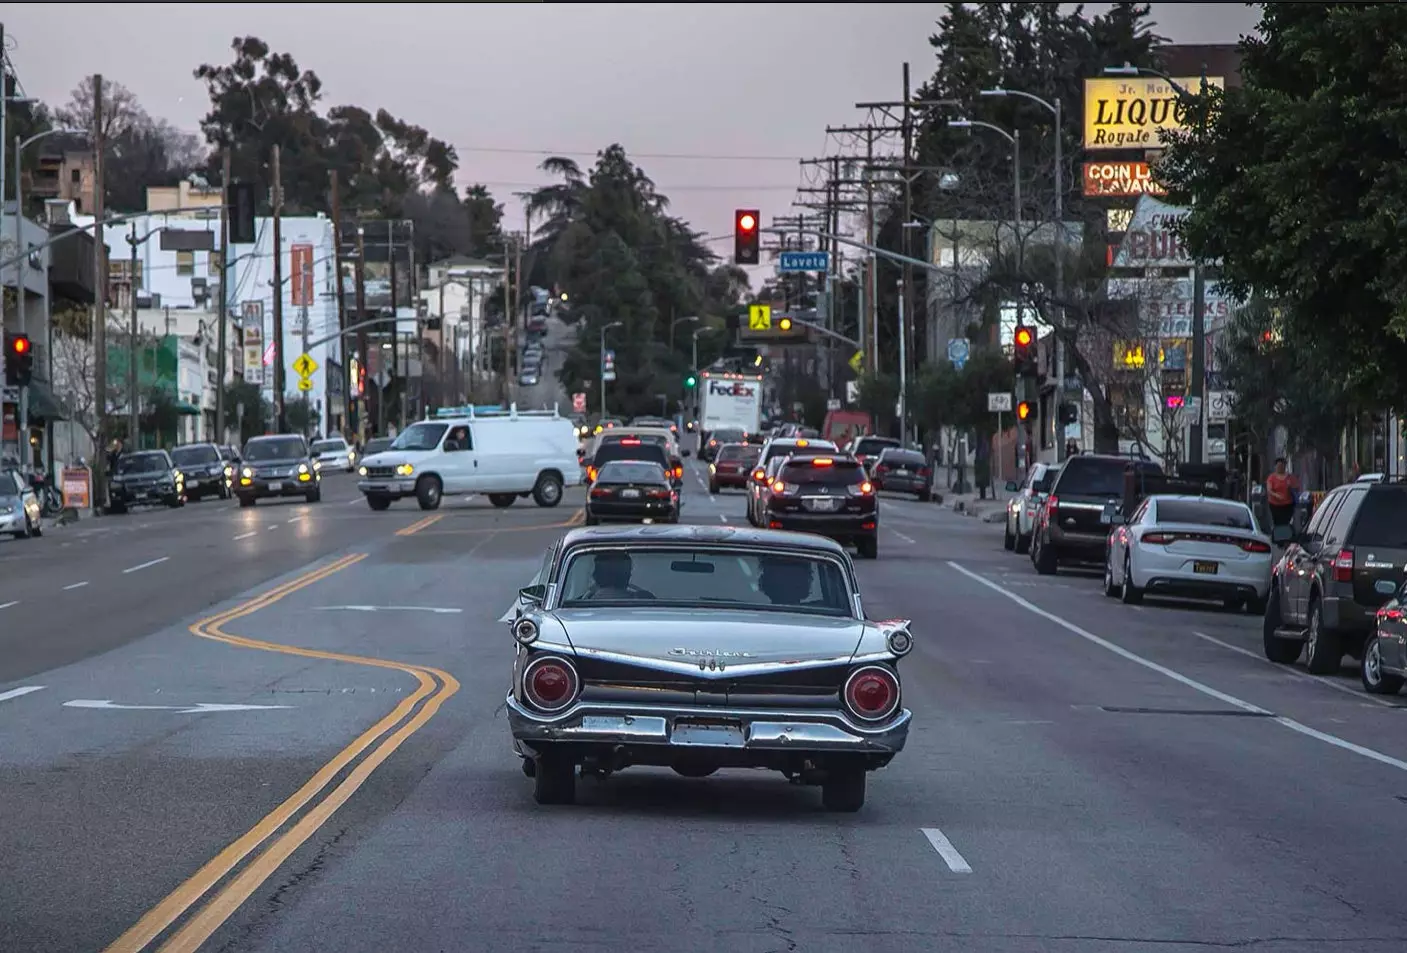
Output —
(100, 280)
(134, 418)
(517, 306)
(222, 306)
(363, 407)
(307, 395)
(280, 418)
(336, 202)
(393, 378)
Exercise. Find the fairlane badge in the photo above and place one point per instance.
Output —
(710, 653)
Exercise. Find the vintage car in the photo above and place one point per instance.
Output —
(698, 648)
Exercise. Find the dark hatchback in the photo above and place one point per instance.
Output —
(720, 438)
(732, 466)
(636, 448)
(902, 471)
(826, 495)
(203, 467)
(278, 466)
(1072, 527)
(145, 478)
(631, 491)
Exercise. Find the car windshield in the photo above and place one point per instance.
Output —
(329, 446)
(902, 458)
(1205, 513)
(620, 450)
(423, 436)
(277, 448)
(631, 471)
(8, 488)
(195, 456)
(823, 472)
(702, 577)
(141, 463)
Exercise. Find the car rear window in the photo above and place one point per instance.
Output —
(902, 458)
(1091, 476)
(873, 445)
(630, 451)
(789, 448)
(726, 436)
(631, 471)
(824, 471)
(1204, 513)
(737, 451)
(1382, 520)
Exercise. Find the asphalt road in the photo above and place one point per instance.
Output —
(1083, 776)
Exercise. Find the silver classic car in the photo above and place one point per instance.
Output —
(698, 648)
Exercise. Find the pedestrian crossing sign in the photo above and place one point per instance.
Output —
(856, 361)
(759, 317)
(304, 366)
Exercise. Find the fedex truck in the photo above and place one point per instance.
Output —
(729, 402)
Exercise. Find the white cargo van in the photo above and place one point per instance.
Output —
(502, 454)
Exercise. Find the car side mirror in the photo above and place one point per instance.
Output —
(1012, 486)
(533, 595)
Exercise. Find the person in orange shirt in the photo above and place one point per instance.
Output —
(1280, 490)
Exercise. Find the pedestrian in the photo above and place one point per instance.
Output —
(114, 451)
(1280, 490)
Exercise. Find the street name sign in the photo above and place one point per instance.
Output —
(792, 261)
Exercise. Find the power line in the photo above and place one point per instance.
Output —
(774, 187)
(573, 153)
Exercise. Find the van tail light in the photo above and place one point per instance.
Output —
(1052, 504)
(1343, 566)
(550, 683)
(679, 473)
(1255, 546)
(1157, 539)
(871, 693)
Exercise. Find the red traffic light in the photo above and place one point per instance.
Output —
(21, 344)
(746, 222)
(1024, 337)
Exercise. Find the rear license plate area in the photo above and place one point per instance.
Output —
(1205, 567)
(821, 505)
(708, 732)
(630, 494)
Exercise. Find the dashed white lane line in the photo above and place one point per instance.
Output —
(1297, 673)
(902, 538)
(76, 585)
(6, 605)
(722, 517)
(146, 565)
(20, 692)
(1181, 679)
(955, 861)
(254, 532)
(272, 526)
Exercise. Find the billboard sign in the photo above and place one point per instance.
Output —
(1131, 112)
(390, 263)
(1152, 239)
(253, 325)
(300, 283)
(1121, 180)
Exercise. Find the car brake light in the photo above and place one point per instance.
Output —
(823, 462)
(1343, 566)
(1052, 503)
(803, 443)
(599, 492)
(760, 476)
(1255, 546)
(659, 494)
(591, 474)
(779, 487)
(549, 683)
(1157, 539)
(866, 488)
(1389, 615)
(923, 471)
(872, 693)
(630, 441)
(679, 473)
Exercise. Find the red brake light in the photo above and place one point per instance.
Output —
(679, 473)
(1157, 539)
(759, 475)
(1255, 546)
(1052, 503)
(923, 471)
(779, 487)
(1343, 566)
(599, 492)
(1389, 615)
(872, 693)
(630, 441)
(550, 683)
(591, 474)
(823, 462)
(659, 494)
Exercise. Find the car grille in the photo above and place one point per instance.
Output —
(380, 471)
(805, 688)
(275, 472)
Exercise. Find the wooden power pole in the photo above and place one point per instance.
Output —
(280, 417)
(100, 282)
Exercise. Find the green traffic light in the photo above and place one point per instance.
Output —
(690, 381)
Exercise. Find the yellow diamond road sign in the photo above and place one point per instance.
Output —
(855, 362)
(305, 384)
(304, 366)
(759, 317)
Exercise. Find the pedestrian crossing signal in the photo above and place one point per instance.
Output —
(1023, 410)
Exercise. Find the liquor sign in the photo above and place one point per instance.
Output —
(300, 259)
(1120, 179)
(1131, 112)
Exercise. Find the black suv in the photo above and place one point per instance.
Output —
(145, 478)
(1071, 527)
(1327, 587)
(276, 466)
(826, 495)
(203, 467)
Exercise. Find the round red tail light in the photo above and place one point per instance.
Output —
(872, 693)
(550, 683)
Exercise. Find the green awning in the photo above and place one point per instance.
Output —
(43, 405)
(187, 409)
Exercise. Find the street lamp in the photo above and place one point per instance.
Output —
(692, 318)
(694, 360)
(1199, 289)
(1052, 106)
(602, 365)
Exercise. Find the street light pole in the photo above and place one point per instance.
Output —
(601, 369)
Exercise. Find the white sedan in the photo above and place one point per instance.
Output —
(1189, 546)
(335, 454)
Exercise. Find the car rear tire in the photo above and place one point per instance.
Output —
(1129, 594)
(591, 520)
(1044, 559)
(844, 790)
(1370, 669)
(1008, 538)
(554, 780)
(502, 500)
(548, 490)
(1110, 590)
(1023, 543)
(925, 496)
(1323, 650)
(1278, 650)
(428, 492)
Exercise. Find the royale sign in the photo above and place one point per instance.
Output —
(1121, 179)
(1131, 112)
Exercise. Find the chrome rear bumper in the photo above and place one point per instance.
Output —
(694, 727)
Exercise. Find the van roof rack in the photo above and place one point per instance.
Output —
(491, 411)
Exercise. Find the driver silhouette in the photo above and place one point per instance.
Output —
(787, 582)
(610, 577)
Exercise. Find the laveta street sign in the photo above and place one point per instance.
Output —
(1131, 112)
(304, 365)
(759, 317)
(792, 261)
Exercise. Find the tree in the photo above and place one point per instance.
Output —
(1296, 186)
(74, 376)
(484, 218)
(246, 405)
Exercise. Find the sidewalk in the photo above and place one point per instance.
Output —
(990, 510)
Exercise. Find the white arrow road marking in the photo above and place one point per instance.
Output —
(19, 692)
(179, 709)
(437, 610)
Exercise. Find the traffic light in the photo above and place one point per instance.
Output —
(691, 380)
(747, 238)
(1024, 411)
(19, 360)
(242, 198)
(1024, 351)
(784, 324)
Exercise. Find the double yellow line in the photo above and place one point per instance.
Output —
(420, 524)
(382, 738)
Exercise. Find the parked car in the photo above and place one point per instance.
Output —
(1071, 526)
(20, 512)
(1023, 509)
(145, 478)
(896, 470)
(699, 649)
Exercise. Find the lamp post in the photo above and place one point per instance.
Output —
(1199, 289)
(1053, 106)
(689, 319)
(694, 360)
(601, 368)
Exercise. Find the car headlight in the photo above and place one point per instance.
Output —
(302, 468)
(246, 473)
(405, 469)
(361, 471)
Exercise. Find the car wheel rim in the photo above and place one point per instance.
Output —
(433, 492)
(1313, 633)
(1372, 662)
(550, 491)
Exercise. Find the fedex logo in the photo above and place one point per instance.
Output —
(732, 389)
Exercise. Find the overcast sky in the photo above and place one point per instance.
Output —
(717, 101)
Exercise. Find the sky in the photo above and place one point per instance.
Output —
(716, 101)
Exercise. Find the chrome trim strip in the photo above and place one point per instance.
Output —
(727, 670)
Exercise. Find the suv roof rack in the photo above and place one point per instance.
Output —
(490, 411)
